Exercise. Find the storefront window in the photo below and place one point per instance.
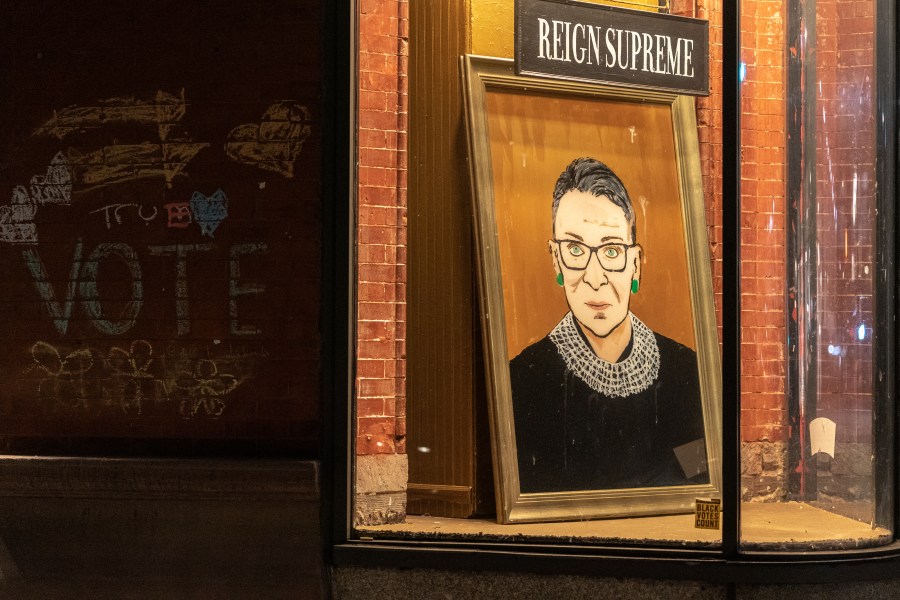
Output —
(809, 210)
(445, 410)
(814, 465)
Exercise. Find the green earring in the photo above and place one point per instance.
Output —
(559, 279)
(635, 286)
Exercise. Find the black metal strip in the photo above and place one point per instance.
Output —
(731, 276)
(794, 191)
(802, 344)
(338, 307)
(805, 259)
(885, 446)
(790, 568)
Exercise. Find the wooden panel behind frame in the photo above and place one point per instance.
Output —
(480, 76)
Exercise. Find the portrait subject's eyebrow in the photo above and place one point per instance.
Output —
(604, 239)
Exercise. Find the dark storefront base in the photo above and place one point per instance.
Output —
(139, 529)
(125, 528)
(352, 583)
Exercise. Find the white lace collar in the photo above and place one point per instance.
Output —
(631, 376)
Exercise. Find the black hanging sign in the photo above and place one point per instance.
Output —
(589, 42)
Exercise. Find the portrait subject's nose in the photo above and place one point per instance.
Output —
(594, 274)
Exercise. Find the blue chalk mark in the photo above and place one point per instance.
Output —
(182, 303)
(236, 290)
(90, 294)
(209, 211)
(60, 312)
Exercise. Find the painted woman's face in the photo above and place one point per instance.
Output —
(594, 252)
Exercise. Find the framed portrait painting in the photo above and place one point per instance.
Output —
(596, 297)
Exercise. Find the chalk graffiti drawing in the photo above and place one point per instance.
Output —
(88, 289)
(236, 289)
(129, 162)
(275, 142)
(206, 388)
(190, 380)
(17, 218)
(132, 382)
(115, 211)
(146, 220)
(209, 211)
(180, 216)
(55, 186)
(60, 312)
(164, 110)
(62, 380)
(126, 162)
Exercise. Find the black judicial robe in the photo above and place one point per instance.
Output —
(570, 437)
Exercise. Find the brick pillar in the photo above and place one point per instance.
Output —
(763, 278)
(381, 465)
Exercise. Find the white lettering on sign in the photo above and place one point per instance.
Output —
(625, 49)
(569, 42)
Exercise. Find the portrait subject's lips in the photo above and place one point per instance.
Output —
(598, 305)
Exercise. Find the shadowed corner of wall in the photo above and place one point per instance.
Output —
(380, 489)
(12, 585)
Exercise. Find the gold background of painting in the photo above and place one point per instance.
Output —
(533, 138)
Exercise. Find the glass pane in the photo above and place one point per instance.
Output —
(808, 230)
(612, 452)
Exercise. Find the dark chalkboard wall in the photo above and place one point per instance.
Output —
(160, 180)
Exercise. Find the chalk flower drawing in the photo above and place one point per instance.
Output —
(133, 382)
(275, 142)
(205, 387)
(134, 378)
(63, 381)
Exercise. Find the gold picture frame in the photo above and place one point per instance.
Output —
(522, 132)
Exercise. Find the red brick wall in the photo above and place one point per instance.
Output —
(381, 234)
(763, 191)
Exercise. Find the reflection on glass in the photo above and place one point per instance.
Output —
(807, 408)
